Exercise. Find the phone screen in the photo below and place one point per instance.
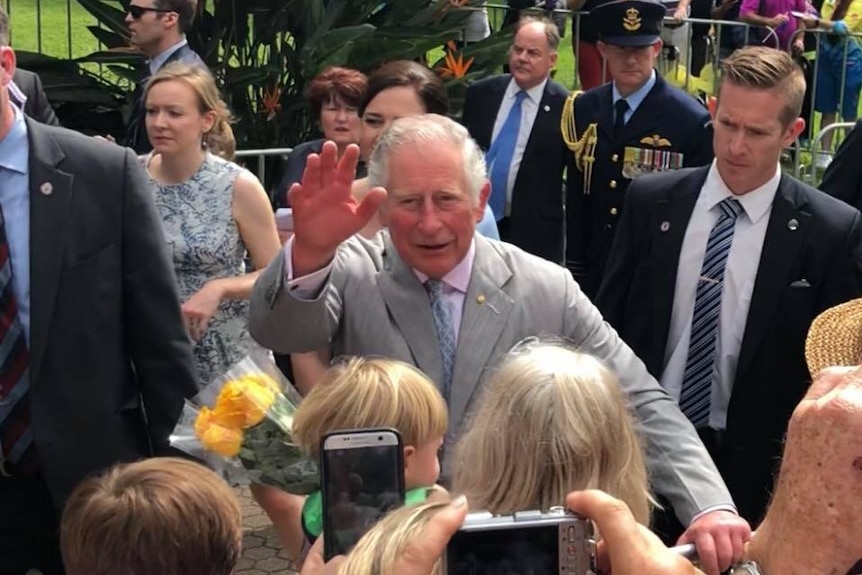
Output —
(531, 550)
(363, 478)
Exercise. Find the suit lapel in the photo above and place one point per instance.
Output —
(780, 251)
(408, 304)
(486, 312)
(544, 123)
(668, 228)
(490, 109)
(50, 202)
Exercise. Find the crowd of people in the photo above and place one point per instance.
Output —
(598, 299)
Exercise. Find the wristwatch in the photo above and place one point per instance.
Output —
(746, 568)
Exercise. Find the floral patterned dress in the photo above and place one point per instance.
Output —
(197, 218)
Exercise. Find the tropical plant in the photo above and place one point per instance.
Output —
(264, 52)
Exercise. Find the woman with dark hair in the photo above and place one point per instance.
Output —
(334, 96)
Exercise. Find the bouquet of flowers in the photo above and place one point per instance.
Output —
(241, 425)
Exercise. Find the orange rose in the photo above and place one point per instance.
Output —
(244, 402)
(214, 436)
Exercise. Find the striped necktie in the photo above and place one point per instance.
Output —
(445, 328)
(694, 398)
(17, 450)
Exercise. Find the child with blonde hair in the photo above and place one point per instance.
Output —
(362, 393)
(552, 420)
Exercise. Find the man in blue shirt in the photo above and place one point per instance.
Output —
(635, 125)
(95, 362)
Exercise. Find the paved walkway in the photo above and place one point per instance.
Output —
(261, 551)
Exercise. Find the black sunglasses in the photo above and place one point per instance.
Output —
(137, 11)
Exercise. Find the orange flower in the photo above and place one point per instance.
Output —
(454, 67)
(271, 103)
(214, 436)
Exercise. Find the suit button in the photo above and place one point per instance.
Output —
(615, 158)
(613, 211)
(613, 184)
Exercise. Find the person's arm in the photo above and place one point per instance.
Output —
(719, 11)
(843, 178)
(253, 217)
(158, 345)
(748, 13)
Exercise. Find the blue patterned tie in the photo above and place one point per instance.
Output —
(694, 397)
(499, 156)
(445, 328)
(16, 437)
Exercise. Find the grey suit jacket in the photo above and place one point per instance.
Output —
(374, 304)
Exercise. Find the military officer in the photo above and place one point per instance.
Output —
(635, 125)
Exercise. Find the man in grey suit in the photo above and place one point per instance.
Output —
(95, 361)
(431, 292)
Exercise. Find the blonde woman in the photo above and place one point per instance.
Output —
(214, 212)
(362, 393)
(552, 420)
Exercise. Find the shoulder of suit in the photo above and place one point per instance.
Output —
(75, 143)
(490, 82)
(820, 203)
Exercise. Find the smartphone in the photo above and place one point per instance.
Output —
(284, 219)
(362, 476)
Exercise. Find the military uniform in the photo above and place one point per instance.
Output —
(668, 130)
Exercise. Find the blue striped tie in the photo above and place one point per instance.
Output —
(694, 397)
(445, 328)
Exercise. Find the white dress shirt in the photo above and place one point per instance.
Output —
(739, 276)
(455, 282)
(529, 111)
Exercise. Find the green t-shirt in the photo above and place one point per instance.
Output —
(312, 510)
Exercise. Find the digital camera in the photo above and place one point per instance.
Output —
(527, 543)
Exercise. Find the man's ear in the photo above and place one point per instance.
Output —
(8, 62)
(484, 194)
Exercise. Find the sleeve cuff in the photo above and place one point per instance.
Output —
(308, 286)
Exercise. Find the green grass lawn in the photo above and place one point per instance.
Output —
(63, 25)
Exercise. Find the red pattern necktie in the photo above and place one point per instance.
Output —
(17, 451)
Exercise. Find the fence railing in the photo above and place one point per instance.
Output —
(262, 155)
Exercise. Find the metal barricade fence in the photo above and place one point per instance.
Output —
(261, 155)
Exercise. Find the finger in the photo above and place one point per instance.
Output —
(370, 204)
(612, 517)
(707, 554)
(829, 379)
(723, 551)
(345, 172)
(310, 185)
(738, 539)
(294, 194)
(328, 161)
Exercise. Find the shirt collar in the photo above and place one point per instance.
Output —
(534, 94)
(458, 277)
(635, 98)
(755, 204)
(14, 148)
(158, 61)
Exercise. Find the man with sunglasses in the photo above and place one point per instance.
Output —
(158, 29)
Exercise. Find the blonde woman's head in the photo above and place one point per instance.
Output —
(552, 420)
(384, 544)
(373, 392)
(184, 109)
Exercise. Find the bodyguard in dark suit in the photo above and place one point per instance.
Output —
(95, 361)
(717, 272)
(157, 29)
(843, 178)
(527, 173)
(26, 91)
(660, 128)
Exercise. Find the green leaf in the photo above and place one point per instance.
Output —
(105, 14)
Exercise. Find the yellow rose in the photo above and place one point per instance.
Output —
(215, 437)
(243, 402)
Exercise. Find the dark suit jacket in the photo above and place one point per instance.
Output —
(536, 223)
(37, 105)
(136, 134)
(107, 337)
(823, 247)
(667, 120)
(843, 178)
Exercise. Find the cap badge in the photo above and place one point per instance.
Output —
(632, 20)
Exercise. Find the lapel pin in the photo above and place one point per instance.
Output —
(547, 108)
(665, 226)
(480, 299)
(46, 188)
(793, 225)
